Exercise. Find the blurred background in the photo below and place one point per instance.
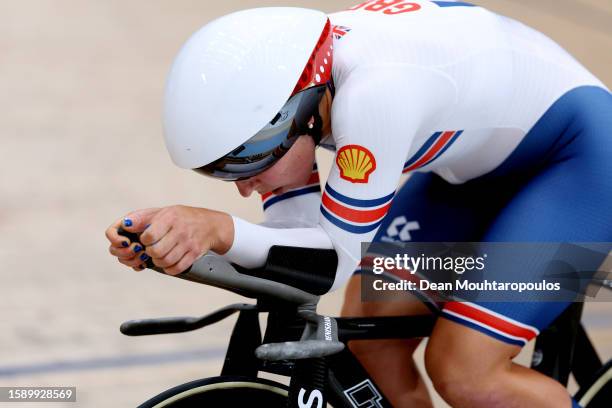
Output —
(81, 84)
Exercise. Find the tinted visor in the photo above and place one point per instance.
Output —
(272, 142)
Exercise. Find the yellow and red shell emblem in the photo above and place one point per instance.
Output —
(356, 163)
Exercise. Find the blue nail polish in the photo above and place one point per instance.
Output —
(125, 244)
(127, 222)
(137, 248)
(144, 257)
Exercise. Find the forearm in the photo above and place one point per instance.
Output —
(223, 231)
(251, 242)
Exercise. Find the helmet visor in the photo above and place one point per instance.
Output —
(272, 142)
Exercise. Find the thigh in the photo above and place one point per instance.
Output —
(568, 196)
(420, 211)
(568, 200)
(429, 209)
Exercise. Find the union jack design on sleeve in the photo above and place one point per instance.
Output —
(354, 215)
(433, 148)
(312, 186)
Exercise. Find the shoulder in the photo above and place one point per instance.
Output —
(382, 97)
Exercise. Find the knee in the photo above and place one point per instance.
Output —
(444, 373)
(460, 378)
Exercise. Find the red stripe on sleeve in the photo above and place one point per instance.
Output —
(352, 214)
(434, 149)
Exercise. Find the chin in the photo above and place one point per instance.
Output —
(268, 189)
(279, 190)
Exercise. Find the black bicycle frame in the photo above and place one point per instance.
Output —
(560, 349)
(564, 347)
(339, 377)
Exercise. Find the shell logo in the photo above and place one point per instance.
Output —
(356, 163)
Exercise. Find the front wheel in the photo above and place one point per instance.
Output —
(598, 393)
(223, 391)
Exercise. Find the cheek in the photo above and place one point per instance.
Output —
(299, 166)
(293, 170)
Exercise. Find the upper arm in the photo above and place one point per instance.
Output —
(375, 117)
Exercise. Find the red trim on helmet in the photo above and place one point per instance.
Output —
(319, 66)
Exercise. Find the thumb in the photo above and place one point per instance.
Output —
(137, 221)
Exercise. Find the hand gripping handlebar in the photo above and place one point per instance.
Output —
(320, 335)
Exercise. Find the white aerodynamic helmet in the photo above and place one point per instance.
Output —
(244, 87)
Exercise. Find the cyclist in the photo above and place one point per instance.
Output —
(505, 136)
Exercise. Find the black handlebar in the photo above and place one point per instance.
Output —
(295, 276)
(312, 270)
(145, 327)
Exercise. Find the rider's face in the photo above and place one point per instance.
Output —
(294, 168)
(291, 171)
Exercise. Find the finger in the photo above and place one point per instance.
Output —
(172, 257)
(135, 261)
(159, 226)
(163, 247)
(126, 253)
(137, 221)
(186, 261)
(116, 240)
(139, 268)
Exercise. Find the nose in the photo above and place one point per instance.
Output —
(245, 187)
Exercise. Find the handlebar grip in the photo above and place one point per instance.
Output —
(158, 326)
(135, 237)
(132, 236)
